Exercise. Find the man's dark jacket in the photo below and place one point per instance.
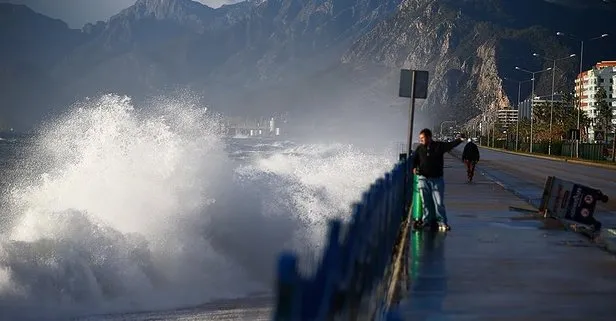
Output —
(471, 152)
(429, 160)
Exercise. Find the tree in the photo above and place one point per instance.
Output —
(585, 120)
(604, 111)
(564, 117)
(541, 122)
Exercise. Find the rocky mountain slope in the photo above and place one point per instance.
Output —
(30, 43)
(306, 57)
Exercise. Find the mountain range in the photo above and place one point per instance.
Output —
(319, 60)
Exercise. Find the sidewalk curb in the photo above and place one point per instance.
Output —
(606, 238)
(556, 159)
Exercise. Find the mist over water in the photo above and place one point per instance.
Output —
(112, 215)
(120, 208)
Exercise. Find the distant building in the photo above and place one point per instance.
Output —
(507, 116)
(272, 125)
(525, 106)
(603, 74)
(252, 127)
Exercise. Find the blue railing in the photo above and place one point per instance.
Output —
(356, 274)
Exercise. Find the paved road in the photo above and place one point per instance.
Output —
(497, 265)
(534, 171)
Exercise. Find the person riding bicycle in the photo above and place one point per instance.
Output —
(470, 157)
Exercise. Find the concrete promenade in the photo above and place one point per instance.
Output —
(495, 264)
(498, 264)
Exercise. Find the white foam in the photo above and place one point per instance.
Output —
(127, 209)
(117, 210)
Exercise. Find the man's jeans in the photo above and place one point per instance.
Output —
(432, 194)
(470, 168)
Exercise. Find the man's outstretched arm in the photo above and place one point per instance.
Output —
(448, 146)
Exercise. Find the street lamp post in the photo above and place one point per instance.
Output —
(517, 119)
(554, 60)
(480, 133)
(532, 101)
(517, 125)
(506, 139)
(493, 133)
(488, 134)
(577, 141)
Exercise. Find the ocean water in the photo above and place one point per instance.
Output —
(123, 212)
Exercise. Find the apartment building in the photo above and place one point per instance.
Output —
(525, 106)
(507, 116)
(603, 74)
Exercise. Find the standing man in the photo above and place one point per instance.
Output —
(470, 157)
(428, 163)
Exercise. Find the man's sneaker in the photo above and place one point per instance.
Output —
(444, 227)
(431, 225)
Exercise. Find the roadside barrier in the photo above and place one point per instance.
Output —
(363, 267)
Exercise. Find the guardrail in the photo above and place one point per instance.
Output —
(361, 264)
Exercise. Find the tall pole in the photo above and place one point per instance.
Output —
(577, 141)
(614, 144)
(481, 131)
(411, 115)
(552, 107)
(517, 128)
(553, 68)
(488, 130)
(493, 133)
(517, 125)
(532, 103)
(581, 83)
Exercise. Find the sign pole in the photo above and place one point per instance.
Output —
(411, 113)
(413, 85)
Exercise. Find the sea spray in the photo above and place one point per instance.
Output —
(113, 211)
(127, 207)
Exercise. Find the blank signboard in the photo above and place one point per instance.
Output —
(421, 83)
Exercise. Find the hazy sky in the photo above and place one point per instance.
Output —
(78, 12)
